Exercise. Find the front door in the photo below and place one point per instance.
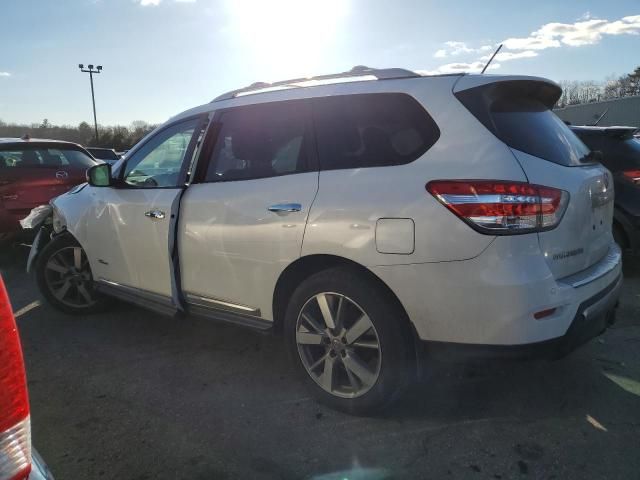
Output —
(129, 230)
(243, 221)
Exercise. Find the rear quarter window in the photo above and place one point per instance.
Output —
(371, 130)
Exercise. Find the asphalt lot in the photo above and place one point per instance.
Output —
(132, 395)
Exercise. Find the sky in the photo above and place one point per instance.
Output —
(161, 57)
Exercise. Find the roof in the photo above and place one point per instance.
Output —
(344, 83)
(357, 73)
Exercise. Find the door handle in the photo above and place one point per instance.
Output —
(157, 214)
(285, 207)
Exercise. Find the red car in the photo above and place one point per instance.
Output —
(32, 172)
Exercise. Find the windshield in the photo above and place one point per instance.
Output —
(34, 156)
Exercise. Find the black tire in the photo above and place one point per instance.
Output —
(391, 328)
(43, 278)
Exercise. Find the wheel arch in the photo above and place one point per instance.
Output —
(308, 265)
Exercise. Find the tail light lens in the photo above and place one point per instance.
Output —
(633, 175)
(502, 208)
(15, 433)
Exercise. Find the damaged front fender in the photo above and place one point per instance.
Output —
(40, 218)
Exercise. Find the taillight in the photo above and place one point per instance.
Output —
(499, 207)
(633, 175)
(15, 432)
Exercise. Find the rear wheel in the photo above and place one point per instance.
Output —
(349, 341)
(64, 277)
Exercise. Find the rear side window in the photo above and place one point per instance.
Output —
(371, 130)
(519, 114)
(260, 141)
(34, 157)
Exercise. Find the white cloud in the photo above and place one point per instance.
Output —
(459, 67)
(5, 74)
(530, 43)
(585, 31)
(585, 16)
(506, 56)
(458, 48)
(155, 3)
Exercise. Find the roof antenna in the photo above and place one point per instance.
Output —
(601, 117)
(491, 59)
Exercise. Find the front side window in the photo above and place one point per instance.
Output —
(41, 157)
(159, 161)
(371, 130)
(260, 141)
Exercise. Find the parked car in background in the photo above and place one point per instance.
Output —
(621, 155)
(367, 220)
(18, 459)
(106, 155)
(32, 172)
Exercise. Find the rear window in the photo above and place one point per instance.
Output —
(617, 153)
(104, 154)
(34, 157)
(371, 130)
(519, 114)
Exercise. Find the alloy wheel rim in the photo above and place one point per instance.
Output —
(338, 345)
(68, 277)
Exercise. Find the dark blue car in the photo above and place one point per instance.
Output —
(621, 155)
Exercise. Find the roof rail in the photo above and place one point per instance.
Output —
(357, 71)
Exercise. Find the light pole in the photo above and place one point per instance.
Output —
(91, 71)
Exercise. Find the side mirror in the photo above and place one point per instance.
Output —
(100, 175)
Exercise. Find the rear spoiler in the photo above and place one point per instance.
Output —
(621, 132)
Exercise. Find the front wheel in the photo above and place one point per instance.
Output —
(350, 341)
(64, 277)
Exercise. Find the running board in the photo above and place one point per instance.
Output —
(150, 301)
(227, 312)
(202, 307)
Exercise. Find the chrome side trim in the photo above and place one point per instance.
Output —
(610, 261)
(221, 305)
(152, 301)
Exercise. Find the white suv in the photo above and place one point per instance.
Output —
(364, 215)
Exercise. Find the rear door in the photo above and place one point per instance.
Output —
(519, 113)
(242, 222)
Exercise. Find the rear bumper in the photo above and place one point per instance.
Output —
(593, 317)
(39, 469)
(493, 299)
(9, 222)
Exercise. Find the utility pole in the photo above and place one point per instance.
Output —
(91, 71)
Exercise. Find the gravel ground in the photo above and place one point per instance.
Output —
(133, 395)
